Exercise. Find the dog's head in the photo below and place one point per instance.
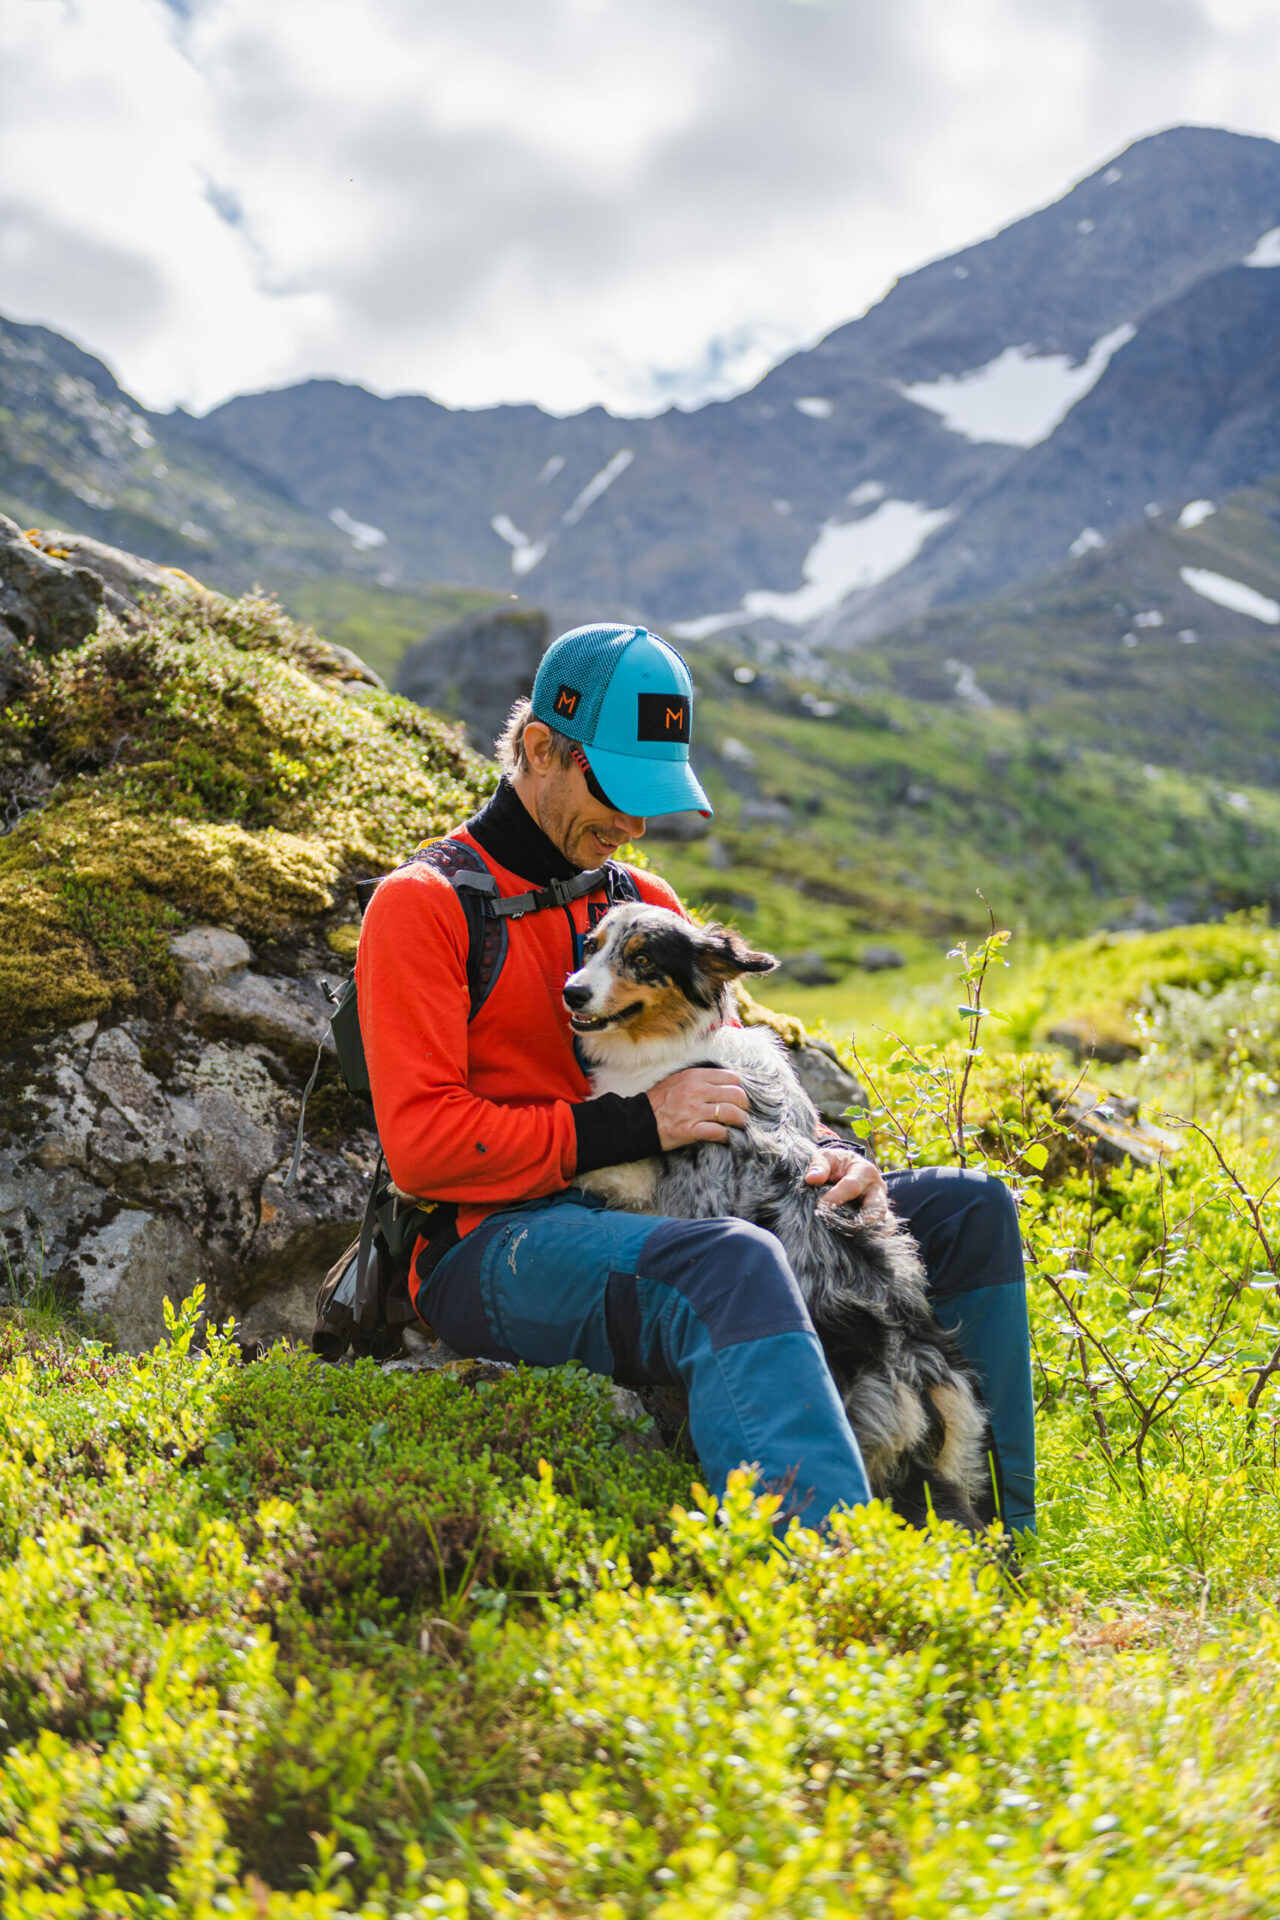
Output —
(648, 975)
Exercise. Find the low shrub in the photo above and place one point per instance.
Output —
(300, 1640)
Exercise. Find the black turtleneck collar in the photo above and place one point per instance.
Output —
(509, 834)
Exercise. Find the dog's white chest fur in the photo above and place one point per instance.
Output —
(632, 1187)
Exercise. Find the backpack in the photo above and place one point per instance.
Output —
(363, 1301)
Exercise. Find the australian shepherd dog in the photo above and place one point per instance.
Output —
(651, 997)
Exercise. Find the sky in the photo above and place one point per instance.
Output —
(575, 202)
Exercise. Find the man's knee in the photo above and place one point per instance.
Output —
(733, 1275)
(995, 1211)
(966, 1223)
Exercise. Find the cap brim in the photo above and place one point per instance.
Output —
(645, 788)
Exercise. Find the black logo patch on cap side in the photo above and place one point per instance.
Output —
(566, 702)
(664, 716)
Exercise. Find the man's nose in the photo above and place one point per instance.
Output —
(576, 997)
(633, 825)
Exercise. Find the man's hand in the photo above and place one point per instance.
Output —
(698, 1103)
(849, 1177)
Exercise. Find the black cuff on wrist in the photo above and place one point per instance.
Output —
(613, 1129)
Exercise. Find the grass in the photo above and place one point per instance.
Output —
(896, 815)
(302, 1641)
(299, 1641)
(379, 623)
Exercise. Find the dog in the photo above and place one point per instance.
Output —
(653, 996)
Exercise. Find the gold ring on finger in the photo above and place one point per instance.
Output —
(717, 1113)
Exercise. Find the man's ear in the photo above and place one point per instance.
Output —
(726, 954)
(537, 746)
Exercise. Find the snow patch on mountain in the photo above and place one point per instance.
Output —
(1195, 513)
(1088, 540)
(814, 406)
(1267, 251)
(361, 535)
(550, 468)
(967, 688)
(1225, 592)
(1017, 399)
(867, 494)
(598, 485)
(847, 557)
(525, 553)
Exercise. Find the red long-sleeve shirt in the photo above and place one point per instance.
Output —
(480, 1113)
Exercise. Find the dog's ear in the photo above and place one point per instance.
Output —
(726, 954)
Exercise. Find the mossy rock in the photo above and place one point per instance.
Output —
(1084, 996)
(211, 764)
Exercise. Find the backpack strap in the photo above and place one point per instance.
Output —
(487, 912)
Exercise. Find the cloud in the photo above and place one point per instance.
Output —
(565, 200)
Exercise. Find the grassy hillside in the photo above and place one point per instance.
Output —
(893, 813)
(302, 1641)
(378, 623)
(1098, 652)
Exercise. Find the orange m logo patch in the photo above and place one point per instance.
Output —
(566, 701)
(662, 716)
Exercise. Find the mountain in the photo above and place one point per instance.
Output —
(1190, 406)
(77, 452)
(1160, 641)
(959, 435)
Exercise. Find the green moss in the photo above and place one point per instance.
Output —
(211, 767)
(343, 940)
(1103, 980)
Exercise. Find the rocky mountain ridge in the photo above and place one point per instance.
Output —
(938, 446)
(1104, 353)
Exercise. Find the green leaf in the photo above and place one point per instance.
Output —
(1036, 1156)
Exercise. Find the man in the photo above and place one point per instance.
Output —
(489, 1116)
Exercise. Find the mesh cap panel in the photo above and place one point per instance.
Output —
(588, 668)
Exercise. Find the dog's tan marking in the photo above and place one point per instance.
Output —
(630, 1187)
(960, 1457)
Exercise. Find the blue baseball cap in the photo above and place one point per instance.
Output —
(626, 697)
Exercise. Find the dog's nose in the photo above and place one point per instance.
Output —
(576, 997)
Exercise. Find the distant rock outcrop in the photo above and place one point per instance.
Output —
(476, 668)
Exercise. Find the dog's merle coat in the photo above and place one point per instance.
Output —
(652, 998)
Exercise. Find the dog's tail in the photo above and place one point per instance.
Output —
(911, 1398)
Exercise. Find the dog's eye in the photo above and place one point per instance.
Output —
(589, 946)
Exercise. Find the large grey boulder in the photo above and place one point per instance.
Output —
(832, 1090)
(225, 997)
(141, 1157)
(125, 580)
(477, 668)
(45, 602)
(130, 1267)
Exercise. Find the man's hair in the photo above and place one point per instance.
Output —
(509, 745)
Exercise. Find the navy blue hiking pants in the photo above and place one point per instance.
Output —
(714, 1305)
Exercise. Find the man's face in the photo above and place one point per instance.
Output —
(585, 829)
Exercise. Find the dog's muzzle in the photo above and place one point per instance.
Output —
(577, 998)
